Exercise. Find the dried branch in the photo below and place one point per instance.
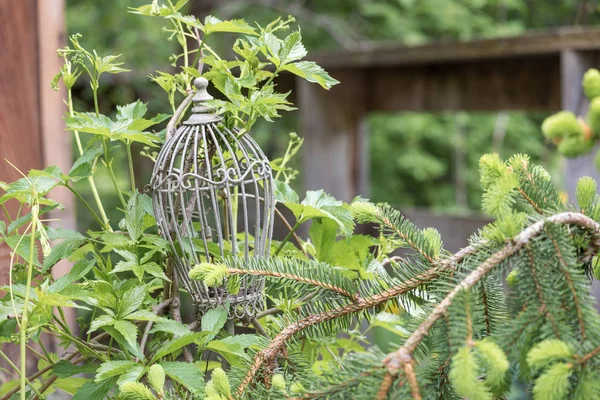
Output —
(397, 360)
(294, 235)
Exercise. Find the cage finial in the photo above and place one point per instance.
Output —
(201, 113)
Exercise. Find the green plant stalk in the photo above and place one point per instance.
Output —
(288, 237)
(10, 363)
(86, 204)
(7, 214)
(91, 181)
(113, 178)
(24, 316)
(131, 172)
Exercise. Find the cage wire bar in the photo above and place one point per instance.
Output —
(212, 194)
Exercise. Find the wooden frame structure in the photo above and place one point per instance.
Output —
(32, 131)
(535, 72)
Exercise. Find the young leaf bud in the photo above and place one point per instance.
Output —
(586, 192)
(591, 83)
(561, 125)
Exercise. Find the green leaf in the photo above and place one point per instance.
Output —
(554, 383)
(292, 48)
(285, 194)
(170, 326)
(177, 344)
(135, 391)
(128, 330)
(312, 72)
(100, 322)
(84, 165)
(319, 204)
(188, 375)
(133, 374)
(134, 217)
(548, 351)
(134, 110)
(64, 249)
(132, 300)
(95, 390)
(110, 369)
(156, 377)
(213, 24)
(233, 347)
(70, 385)
(64, 369)
(213, 321)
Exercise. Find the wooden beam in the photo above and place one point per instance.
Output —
(529, 45)
(485, 85)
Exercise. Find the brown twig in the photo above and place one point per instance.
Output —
(294, 235)
(258, 326)
(384, 388)
(396, 360)
(412, 380)
(158, 309)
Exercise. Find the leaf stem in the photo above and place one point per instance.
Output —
(86, 204)
(9, 362)
(24, 316)
(91, 181)
(130, 162)
(288, 237)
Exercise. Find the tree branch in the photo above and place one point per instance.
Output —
(397, 360)
(269, 354)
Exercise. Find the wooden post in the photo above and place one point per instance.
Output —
(573, 64)
(32, 131)
(335, 153)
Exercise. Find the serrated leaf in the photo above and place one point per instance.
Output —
(110, 369)
(63, 250)
(170, 326)
(135, 391)
(100, 322)
(156, 377)
(318, 204)
(84, 165)
(312, 72)
(134, 217)
(213, 321)
(95, 390)
(213, 24)
(177, 344)
(131, 300)
(128, 330)
(65, 369)
(188, 375)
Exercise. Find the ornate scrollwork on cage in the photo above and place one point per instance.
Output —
(213, 199)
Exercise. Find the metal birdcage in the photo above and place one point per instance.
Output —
(213, 199)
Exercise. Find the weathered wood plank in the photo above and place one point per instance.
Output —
(516, 84)
(533, 44)
(20, 139)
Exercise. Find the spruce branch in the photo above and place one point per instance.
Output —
(268, 354)
(396, 360)
(538, 290)
(569, 281)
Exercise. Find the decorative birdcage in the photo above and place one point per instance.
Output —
(213, 200)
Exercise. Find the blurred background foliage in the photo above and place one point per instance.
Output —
(417, 160)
